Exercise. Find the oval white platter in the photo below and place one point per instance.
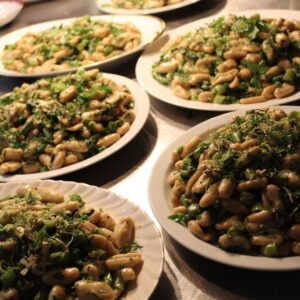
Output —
(106, 6)
(141, 108)
(146, 234)
(149, 26)
(159, 196)
(165, 93)
(9, 11)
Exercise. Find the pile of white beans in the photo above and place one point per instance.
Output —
(228, 65)
(145, 4)
(70, 133)
(68, 281)
(63, 47)
(217, 212)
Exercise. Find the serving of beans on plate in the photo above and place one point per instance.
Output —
(145, 4)
(235, 59)
(83, 42)
(55, 247)
(239, 188)
(57, 122)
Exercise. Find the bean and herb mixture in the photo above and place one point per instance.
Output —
(240, 188)
(54, 247)
(233, 60)
(56, 122)
(84, 42)
(143, 4)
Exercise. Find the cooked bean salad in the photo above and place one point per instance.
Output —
(234, 59)
(144, 4)
(240, 188)
(55, 247)
(83, 42)
(56, 122)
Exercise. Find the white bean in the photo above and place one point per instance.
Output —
(66, 206)
(57, 293)
(91, 290)
(9, 167)
(108, 140)
(124, 128)
(11, 154)
(67, 277)
(31, 167)
(284, 91)
(68, 94)
(100, 241)
(127, 274)
(181, 92)
(58, 160)
(120, 261)
(167, 67)
(198, 77)
(124, 231)
(254, 99)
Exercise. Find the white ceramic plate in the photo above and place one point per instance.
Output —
(149, 26)
(141, 108)
(8, 11)
(106, 6)
(146, 233)
(159, 195)
(165, 94)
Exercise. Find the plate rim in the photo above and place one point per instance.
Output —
(10, 17)
(151, 54)
(86, 186)
(164, 9)
(160, 190)
(142, 109)
(102, 64)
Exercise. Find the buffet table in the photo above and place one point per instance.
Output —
(185, 275)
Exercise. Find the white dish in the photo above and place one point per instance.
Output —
(8, 11)
(146, 234)
(165, 94)
(150, 27)
(141, 108)
(159, 195)
(106, 6)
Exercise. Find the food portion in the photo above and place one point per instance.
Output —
(56, 122)
(144, 4)
(55, 247)
(81, 43)
(240, 188)
(233, 60)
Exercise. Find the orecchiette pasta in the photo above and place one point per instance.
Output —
(54, 247)
(234, 59)
(240, 187)
(51, 123)
(84, 42)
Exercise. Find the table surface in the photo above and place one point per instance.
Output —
(185, 275)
